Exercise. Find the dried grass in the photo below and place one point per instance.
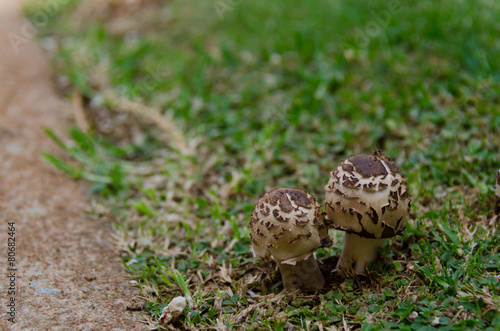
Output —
(172, 134)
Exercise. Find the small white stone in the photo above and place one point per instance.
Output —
(413, 316)
(173, 310)
(435, 321)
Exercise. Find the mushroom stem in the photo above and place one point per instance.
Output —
(357, 253)
(304, 274)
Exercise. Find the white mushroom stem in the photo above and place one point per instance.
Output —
(357, 253)
(304, 274)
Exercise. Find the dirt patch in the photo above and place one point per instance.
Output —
(69, 276)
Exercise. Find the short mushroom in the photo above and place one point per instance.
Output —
(367, 198)
(497, 194)
(288, 225)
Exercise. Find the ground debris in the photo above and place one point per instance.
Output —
(172, 311)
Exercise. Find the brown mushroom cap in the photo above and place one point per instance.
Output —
(288, 224)
(366, 195)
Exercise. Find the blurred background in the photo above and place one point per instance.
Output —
(189, 111)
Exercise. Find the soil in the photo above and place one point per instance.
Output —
(69, 275)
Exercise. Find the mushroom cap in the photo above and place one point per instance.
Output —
(288, 224)
(366, 195)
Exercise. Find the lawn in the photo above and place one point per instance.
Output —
(191, 110)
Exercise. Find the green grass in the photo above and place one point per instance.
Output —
(277, 94)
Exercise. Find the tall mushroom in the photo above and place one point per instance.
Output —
(367, 198)
(497, 194)
(288, 225)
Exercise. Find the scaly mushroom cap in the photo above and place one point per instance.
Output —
(497, 194)
(367, 196)
(288, 224)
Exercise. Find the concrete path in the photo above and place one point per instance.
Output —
(68, 275)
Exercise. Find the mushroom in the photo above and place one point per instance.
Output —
(497, 194)
(367, 198)
(288, 225)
